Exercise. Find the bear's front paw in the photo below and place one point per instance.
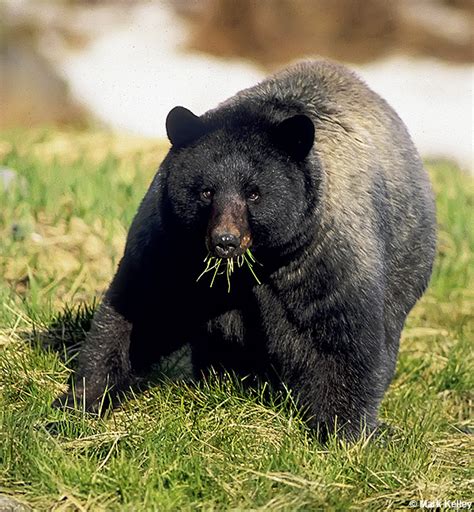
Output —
(95, 400)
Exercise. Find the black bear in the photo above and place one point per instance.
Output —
(318, 176)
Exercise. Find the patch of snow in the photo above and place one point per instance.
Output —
(132, 77)
(434, 99)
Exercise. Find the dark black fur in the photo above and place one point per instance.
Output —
(343, 226)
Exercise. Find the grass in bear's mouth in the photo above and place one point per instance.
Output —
(217, 267)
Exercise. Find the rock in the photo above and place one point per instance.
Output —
(9, 179)
(9, 504)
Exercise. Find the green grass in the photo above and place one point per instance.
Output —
(214, 446)
(218, 267)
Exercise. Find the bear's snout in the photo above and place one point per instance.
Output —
(226, 245)
(228, 232)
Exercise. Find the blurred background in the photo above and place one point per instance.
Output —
(123, 64)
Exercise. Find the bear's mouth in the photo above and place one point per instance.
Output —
(218, 266)
(228, 246)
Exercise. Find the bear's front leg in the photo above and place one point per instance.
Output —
(337, 371)
(339, 396)
(104, 363)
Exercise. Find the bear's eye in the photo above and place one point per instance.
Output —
(207, 194)
(253, 196)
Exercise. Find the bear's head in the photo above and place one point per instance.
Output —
(240, 180)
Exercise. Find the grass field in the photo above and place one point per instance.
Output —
(214, 446)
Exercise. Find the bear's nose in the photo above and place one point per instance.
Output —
(226, 245)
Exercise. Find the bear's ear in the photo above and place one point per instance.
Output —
(295, 136)
(182, 126)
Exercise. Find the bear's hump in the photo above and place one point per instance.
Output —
(326, 91)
